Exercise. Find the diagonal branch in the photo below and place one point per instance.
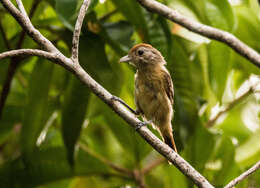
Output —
(22, 9)
(76, 33)
(207, 31)
(120, 169)
(28, 27)
(7, 44)
(14, 64)
(104, 95)
(243, 176)
(231, 105)
(153, 165)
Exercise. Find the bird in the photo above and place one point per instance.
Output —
(154, 93)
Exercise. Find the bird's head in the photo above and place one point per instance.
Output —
(143, 55)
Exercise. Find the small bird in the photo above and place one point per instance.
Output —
(153, 89)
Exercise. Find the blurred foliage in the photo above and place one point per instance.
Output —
(55, 133)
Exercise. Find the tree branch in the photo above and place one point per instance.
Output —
(244, 175)
(7, 44)
(77, 30)
(153, 165)
(22, 9)
(14, 61)
(28, 27)
(31, 52)
(207, 31)
(104, 95)
(231, 105)
(117, 168)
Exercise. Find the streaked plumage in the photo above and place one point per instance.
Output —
(153, 89)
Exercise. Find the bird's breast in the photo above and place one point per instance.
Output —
(150, 97)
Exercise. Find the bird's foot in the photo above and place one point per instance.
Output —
(143, 123)
(115, 98)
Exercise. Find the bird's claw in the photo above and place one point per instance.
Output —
(143, 123)
(115, 98)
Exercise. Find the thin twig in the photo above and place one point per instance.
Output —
(7, 44)
(30, 52)
(231, 105)
(207, 31)
(28, 27)
(243, 176)
(77, 30)
(139, 178)
(117, 168)
(108, 15)
(103, 94)
(22, 9)
(14, 64)
(153, 165)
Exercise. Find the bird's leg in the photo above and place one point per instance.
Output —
(136, 112)
(143, 123)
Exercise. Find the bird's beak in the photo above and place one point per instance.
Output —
(124, 59)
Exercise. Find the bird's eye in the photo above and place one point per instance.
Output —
(140, 52)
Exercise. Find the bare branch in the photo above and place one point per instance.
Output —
(28, 27)
(139, 178)
(231, 105)
(29, 52)
(120, 169)
(22, 9)
(207, 31)
(7, 44)
(14, 64)
(102, 93)
(153, 165)
(77, 30)
(243, 176)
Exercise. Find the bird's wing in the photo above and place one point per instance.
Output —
(168, 86)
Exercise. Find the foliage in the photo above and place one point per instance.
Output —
(55, 133)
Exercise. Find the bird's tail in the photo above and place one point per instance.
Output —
(169, 140)
(168, 137)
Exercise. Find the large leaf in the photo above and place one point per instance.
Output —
(73, 114)
(118, 36)
(224, 154)
(202, 141)
(218, 62)
(92, 57)
(36, 108)
(48, 165)
(135, 14)
(217, 10)
(67, 11)
(185, 97)
(248, 153)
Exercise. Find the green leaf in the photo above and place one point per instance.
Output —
(66, 11)
(220, 14)
(219, 65)
(135, 14)
(73, 114)
(36, 108)
(118, 36)
(202, 141)
(160, 35)
(233, 124)
(46, 166)
(248, 153)
(225, 152)
(185, 96)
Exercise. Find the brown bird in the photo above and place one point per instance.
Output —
(153, 89)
